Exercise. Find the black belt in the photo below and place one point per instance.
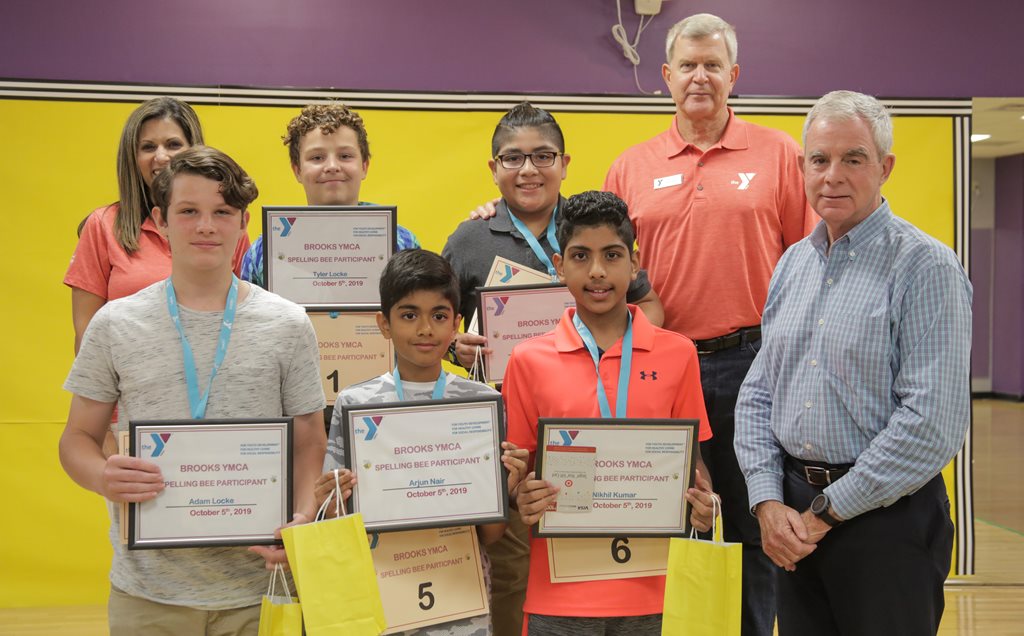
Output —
(728, 341)
(817, 473)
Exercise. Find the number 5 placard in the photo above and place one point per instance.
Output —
(574, 560)
(428, 577)
(351, 346)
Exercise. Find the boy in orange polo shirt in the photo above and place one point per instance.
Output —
(554, 376)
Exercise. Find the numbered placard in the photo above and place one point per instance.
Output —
(574, 560)
(427, 577)
(352, 348)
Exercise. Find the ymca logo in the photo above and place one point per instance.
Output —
(745, 179)
(644, 375)
(568, 437)
(509, 273)
(160, 442)
(500, 302)
(287, 223)
(372, 424)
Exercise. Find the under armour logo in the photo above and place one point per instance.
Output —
(649, 374)
(745, 179)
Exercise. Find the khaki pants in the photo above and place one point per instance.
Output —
(510, 570)
(131, 615)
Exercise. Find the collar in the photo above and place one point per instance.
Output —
(734, 137)
(861, 234)
(567, 339)
(149, 225)
(502, 222)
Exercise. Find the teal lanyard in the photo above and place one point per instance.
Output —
(438, 386)
(535, 244)
(197, 404)
(624, 367)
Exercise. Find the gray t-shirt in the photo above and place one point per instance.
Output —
(382, 389)
(473, 245)
(131, 353)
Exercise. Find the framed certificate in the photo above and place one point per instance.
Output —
(511, 314)
(618, 477)
(427, 464)
(227, 482)
(430, 576)
(352, 348)
(328, 255)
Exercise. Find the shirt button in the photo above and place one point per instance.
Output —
(808, 404)
(700, 164)
(814, 363)
(829, 281)
(700, 187)
(808, 447)
(821, 321)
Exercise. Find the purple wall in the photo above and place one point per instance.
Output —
(787, 47)
(1008, 278)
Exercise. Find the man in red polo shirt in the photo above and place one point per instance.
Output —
(715, 201)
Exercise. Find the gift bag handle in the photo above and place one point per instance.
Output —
(716, 509)
(339, 502)
(272, 586)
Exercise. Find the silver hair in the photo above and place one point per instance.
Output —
(846, 105)
(702, 25)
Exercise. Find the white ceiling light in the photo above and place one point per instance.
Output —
(975, 138)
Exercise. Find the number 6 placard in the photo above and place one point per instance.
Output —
(574, 560)
(352, 348)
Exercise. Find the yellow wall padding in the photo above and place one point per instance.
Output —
(57, 162)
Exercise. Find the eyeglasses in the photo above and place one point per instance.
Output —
(539, 159)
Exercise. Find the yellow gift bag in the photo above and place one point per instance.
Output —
(334, 576)
(280, 615)
(703, 586)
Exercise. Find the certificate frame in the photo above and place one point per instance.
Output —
(316, 280)
(339, 365)
(378, 496)
(625, 512)
(503, 329)
(143, 442)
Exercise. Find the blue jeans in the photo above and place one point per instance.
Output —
(721, 374)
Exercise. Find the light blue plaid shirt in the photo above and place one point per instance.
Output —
(865, 359)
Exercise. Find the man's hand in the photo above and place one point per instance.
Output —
(130, 479)
(816, 528)
(274, 554)
(784, 535)
(325, 485)
(533, 498)
(466, 345)
(486, 210)
(702, 506)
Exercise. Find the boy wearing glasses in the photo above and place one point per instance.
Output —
(528, 165)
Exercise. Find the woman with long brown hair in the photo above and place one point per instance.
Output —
(120, 250)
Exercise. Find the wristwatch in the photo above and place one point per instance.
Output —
(819, 508)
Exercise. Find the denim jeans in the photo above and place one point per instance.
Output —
(721, 374)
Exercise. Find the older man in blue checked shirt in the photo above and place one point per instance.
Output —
(859, 396)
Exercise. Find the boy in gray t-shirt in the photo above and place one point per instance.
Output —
(419, 294)
(132, 356)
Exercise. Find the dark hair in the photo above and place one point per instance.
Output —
(591, 209)
(237, 188)
(526, 115)
(410, 271)
(327, 118)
